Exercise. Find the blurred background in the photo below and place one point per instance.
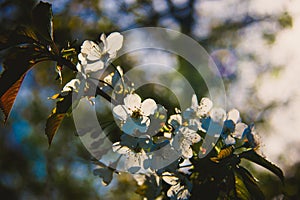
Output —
(255, 45)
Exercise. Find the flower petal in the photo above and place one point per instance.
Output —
(175, 120)
(120, 112)
(229, 140)
(82, 59)
(168, 135)
(72, 85)
(239, 130)
(194, 104)
(169, 178)
(132, 101)
(185, 166)
(233, 115)
(104, 41)
(139, 178)
(117, 147)
(186, 149)
(173, 191)
(145, 120)
(205, 106)
(94, 66)
(218, 115)
(148, 107)
(79, 68)
(184, 194)
(193, 137)
(91, 49)
(114, 43)
(133, 160)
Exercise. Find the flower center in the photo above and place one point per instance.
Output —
(98, 53)
(136, 114)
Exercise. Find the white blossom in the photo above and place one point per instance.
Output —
(175, 121)
(218, 115)
(233, 127)
(134, 114)
(134, 161)
(197, 111)
(183, 139)
(177, 190)
(72, 85)
(93, 56)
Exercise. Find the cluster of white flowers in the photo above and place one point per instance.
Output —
(145, 127)
(134, 117)
(94, 58)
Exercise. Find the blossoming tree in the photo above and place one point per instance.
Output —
(167, 154)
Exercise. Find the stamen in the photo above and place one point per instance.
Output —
(136, 114)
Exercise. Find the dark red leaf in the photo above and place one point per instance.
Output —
(20, 36)
(58, 113)
(52, 125)
(7, 100)
(16, 63)
(42, 21)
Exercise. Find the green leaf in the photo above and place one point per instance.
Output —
(54, 120)
(241, 189)
(246, 186)
(42, 20)
(254, 157)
